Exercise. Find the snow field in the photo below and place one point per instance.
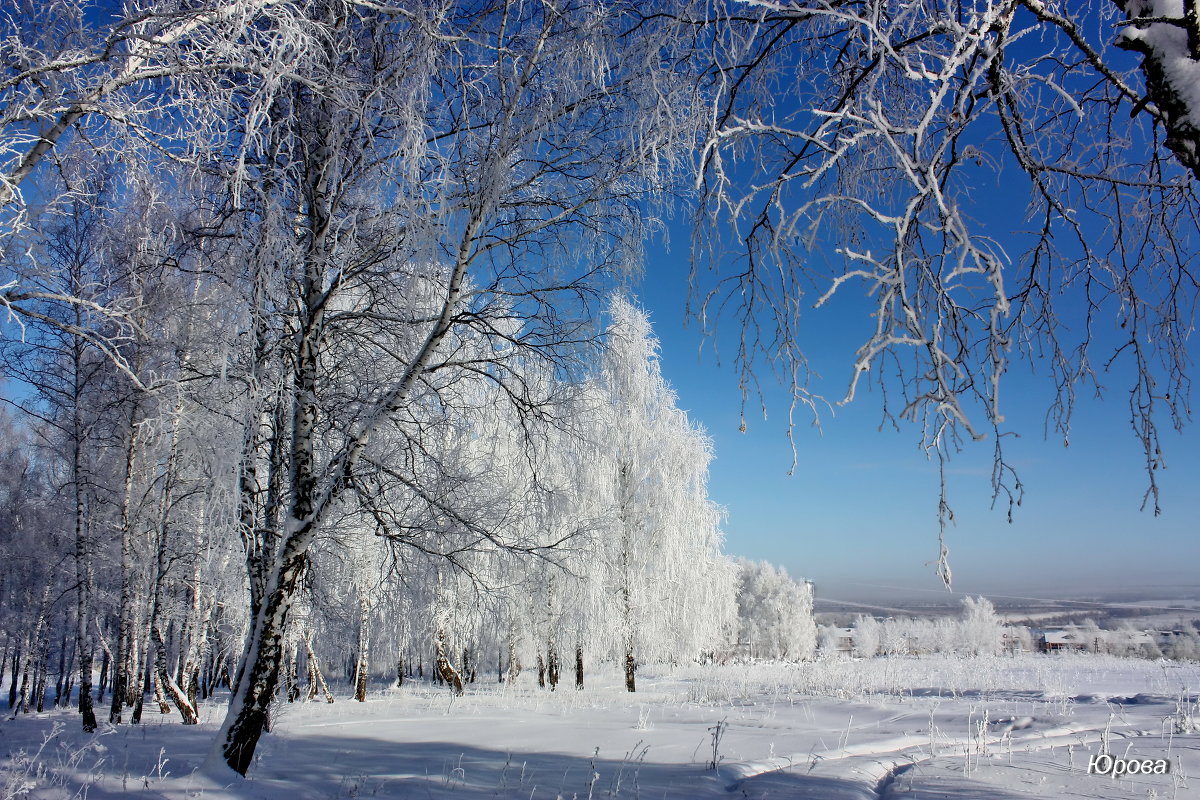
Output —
(998, 728)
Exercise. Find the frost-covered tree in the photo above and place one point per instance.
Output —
(87, 66)
(143, 85)
(775, 613)
(34, 541)
(672, 589)
(982, 633)
(402, 206)
(1185, 645)
(397, 200)
(828, 637)
(1020, 638)
(866, 636)
(894, 637)
(863, 145)
(346, 304)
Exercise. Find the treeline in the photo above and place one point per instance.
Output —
(304, 306)
(534, 541)
(979, 631)
(976, 631)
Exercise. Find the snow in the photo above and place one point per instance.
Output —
(1001, 728)
(1170, 42)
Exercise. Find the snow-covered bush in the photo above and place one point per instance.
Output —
(866, 636)
(775, 613)
(980, 630)
(1186, 646)
(827, 641)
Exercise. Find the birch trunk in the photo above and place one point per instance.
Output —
(134, 676)
(63, 662)
(514, 660)
(121, 659)
(83, 563)
(249, 710)
(19, 700)
(362, 665)
(39, 683)
(552, 665)
(17, 652)
(442, 659)
(105, 666)
(627, 523)
(315, 678)
(163, 681)
(293, 670)
(194, 636)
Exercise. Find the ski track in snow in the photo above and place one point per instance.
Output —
(911, 746)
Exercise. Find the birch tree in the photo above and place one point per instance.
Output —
(672, 590)
(138, 84)
(73, 389)
(34, 545)
(775, 613)
(415, 187)
(860, 145)
(982, 633)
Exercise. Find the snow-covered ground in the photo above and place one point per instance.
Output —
(997, 728)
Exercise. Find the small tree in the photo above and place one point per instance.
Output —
(775, 613)
(866, 636)
(981, 631)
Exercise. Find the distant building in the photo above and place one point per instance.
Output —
(1059, 641)
(1122, 641)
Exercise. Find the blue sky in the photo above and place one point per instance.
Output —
(859, 514)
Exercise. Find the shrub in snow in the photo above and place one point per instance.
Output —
(981, 632)
(775, 613)
(1185, 646)
(866, 637)
(828, 636)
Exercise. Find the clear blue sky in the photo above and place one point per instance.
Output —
(860, 511)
